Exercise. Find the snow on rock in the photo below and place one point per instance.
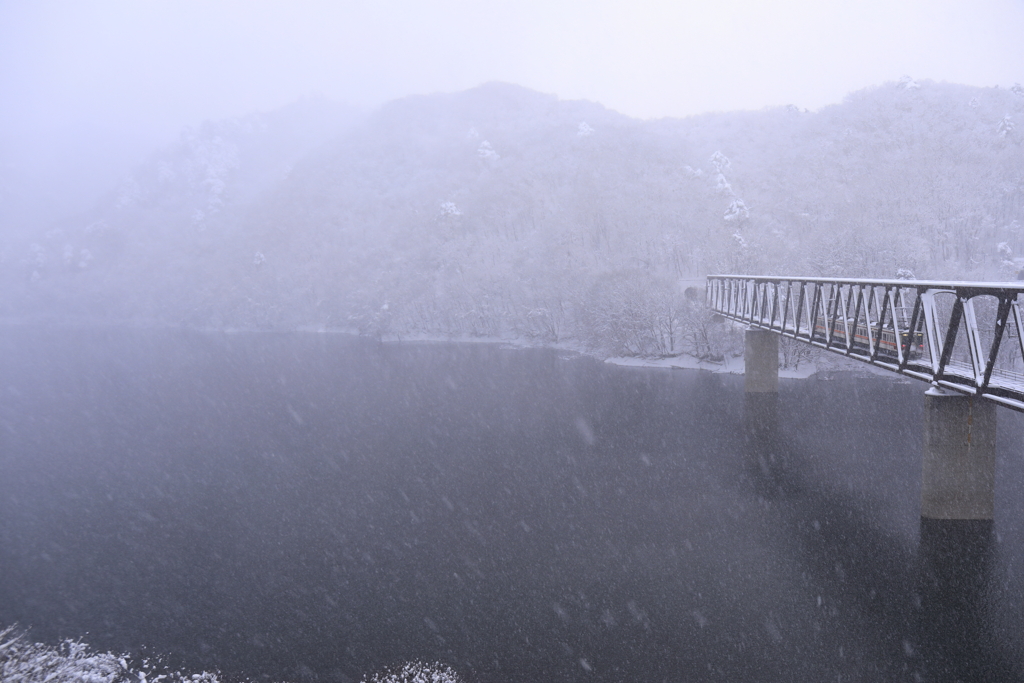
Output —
(73, 661)
(416, 672)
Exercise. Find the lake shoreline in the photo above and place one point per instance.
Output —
(825, 364)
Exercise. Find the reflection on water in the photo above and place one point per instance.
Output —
(312, 507)
(958, 639)
(943, 614)
(764, 447)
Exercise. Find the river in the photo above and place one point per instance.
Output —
(315, 507)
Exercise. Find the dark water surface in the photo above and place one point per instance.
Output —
(316, 507)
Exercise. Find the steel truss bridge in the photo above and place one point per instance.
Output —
(964, 336)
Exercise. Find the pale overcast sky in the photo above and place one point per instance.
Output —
(131, 73)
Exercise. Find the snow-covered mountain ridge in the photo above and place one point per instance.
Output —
(502, 212)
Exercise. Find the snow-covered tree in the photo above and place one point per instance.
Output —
(720, 162)
(1005, 126)
(449, 209)
(485, 151)
(449, 218)
(399, 212)
(737, 211)
(908, 83)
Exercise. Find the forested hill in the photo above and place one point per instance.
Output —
(504, 212)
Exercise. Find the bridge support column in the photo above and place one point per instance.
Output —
(761, 397)
(958, 468)
(761, 362)
(957, 549)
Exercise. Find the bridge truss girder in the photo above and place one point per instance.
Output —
(964, 336)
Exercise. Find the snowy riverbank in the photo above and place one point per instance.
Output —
(731, 366)
(822, 363)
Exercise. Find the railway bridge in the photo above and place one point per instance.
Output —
(966, 339)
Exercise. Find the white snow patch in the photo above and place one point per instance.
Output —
(730, 366)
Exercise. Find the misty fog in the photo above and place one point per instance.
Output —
(304, 315)
(503, 213)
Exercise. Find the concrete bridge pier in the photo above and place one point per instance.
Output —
(761, 397)
(958, 468)
(761, 362)
(956, 551)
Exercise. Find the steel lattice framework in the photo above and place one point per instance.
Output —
(965, 336)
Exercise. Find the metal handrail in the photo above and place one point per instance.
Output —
(868, 320)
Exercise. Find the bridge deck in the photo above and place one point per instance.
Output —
(965, 336)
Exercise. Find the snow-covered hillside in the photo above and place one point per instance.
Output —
(507, 213)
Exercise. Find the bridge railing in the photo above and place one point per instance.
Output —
(965, 336)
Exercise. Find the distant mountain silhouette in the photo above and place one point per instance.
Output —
(500, 211)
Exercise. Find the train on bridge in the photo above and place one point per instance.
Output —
(963, 336)
(888, 346)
